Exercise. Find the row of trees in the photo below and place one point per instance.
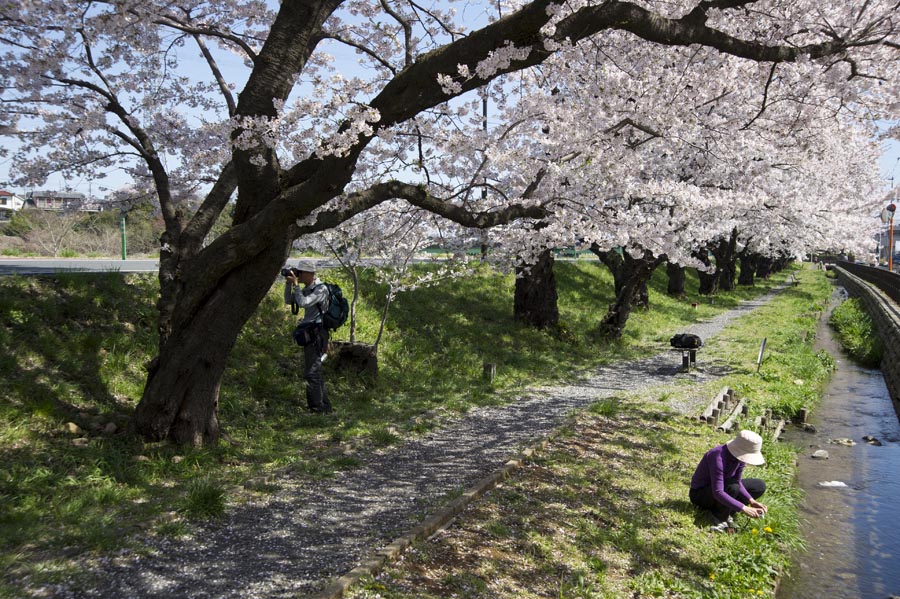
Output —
(671, 129)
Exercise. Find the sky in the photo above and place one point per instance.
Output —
(890, 166)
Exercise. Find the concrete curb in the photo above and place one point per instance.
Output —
(373, 564)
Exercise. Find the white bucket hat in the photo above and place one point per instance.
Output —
(746, 447)
(306, 266)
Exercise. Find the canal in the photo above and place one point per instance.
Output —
(851, 511)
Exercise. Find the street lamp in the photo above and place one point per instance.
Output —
(887, 216)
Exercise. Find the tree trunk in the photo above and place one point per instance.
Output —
(764, 267)
(748, 268)
(535, 302)
(781, 262)
(675, 287)
(355, 358)
(180, 399)
(725, 252)
(623, 267)
(633, 284)
(709, 282)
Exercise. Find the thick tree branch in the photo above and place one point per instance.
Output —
(205, 217)
(419, 197)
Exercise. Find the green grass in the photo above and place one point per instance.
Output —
(204, 499)
(791, 374)
(76, 350)
(857, 333)
(604, 512)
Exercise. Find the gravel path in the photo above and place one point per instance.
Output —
(293, 541)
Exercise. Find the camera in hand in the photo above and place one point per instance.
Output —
(286, 272)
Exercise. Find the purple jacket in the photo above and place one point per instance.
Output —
(717, 466)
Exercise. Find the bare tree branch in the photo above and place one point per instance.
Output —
(210, 32)
(217, 74)
(762, 108)
(407, 31)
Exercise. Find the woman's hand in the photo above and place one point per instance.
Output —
(752, 512)
(759, 506)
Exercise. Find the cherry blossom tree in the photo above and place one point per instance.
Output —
(302, 143)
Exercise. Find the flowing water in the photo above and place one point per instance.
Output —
(852, 532)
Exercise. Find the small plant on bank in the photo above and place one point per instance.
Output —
(204, 499)
(608, 407)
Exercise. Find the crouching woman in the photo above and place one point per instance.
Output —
(718, 484)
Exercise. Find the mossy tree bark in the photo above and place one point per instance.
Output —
(634, 274)
(535, 300)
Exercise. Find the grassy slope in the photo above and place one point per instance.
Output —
(604, 512)
(76, 346)
(857, 333)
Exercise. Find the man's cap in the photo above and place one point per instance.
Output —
(306, 266)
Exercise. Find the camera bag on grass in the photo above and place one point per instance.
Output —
(686, 341)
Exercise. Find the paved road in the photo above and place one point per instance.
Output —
(43, 266)
(292, 542)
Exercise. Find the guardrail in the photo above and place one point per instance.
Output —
(885, 280)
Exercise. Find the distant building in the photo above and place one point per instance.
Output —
(9, 204)
(64, 201)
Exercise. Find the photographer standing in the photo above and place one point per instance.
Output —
(304, 290)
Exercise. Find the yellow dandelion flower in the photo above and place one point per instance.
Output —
(768, 529)
(712, 576)
(760, 592)
(754, 532)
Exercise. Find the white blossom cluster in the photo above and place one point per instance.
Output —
(495, 62)
(621, 141)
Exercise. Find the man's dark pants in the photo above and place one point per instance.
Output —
(703, 498)
(316, 396)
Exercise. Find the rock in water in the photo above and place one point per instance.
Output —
(844, 441)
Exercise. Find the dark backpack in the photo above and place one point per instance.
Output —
(338, 308)
(686, 341)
